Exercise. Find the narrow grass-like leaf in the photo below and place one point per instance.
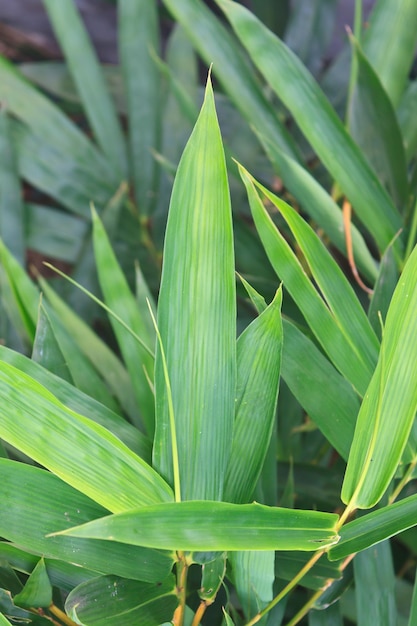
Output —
(383, 290)
(113, 600)
(215, 44)
(100, 355)
(46, 351)
(413, 610)
(4, 621)
(23, 294)
(320, 206)
(258, 370)
(327, 325)
(205, 526)
(53, 233)
(374, 527)
(390, 403)
(288, 564)
(11, 206)
(82, 372)
(375, 128)
(324, 394)
(119, 298)
(333, 285)
(389, 22)
(302, 96)
(51, 126)
(81, 403)
(138, 36)
(375, 586)
(406, 114)
(82, 453)
(197, 317)
(87, 75)
(35, 503)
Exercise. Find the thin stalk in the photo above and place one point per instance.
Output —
(63, 617)
(303, 571)
(405, 479)
(198, 616)
(174, 444)
(182, 572)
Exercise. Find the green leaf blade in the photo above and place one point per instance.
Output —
(90, 82)
(206, 526)
(258, 370)
(95, 461)
(197, 317)
(390, 403)
(301, 95)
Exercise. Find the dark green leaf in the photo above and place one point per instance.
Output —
(37, 590)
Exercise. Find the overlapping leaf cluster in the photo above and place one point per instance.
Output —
(169, 456)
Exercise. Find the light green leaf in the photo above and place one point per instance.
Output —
(138, 36)
(37, 590)
(36, 503)
(99, 354)
(197, 318)
(375, 128)
(22, 294)
(406, 113)
(88, 77)
(81, 371)
(4, 621)
(79, 451)
(111, 600)
(390, 403)
(320, 206)
(205, 525)
(258, 370)
(392, 22)
(374, 527)
(337, 319)
(81, 403)
(119, 299)
(301, 95)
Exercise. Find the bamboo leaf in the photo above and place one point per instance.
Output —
(87, 75)
(320, 206)
(119, 298)
(196, 317)
(335, 331)
(215, 44)
(388, 410)
(324, 394)
(374, 527)
(258, 370)
(35, 503)
(50, 125)
(12, 211)
(95, 461)
(301, 95)
(113, 600)
(392, 21)
(206, 525)
(37, 590)
(253, 577)
(138, 36)
(93, 348)
(375, 586)
(374, 126)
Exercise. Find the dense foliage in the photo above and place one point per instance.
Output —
(211, 419)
